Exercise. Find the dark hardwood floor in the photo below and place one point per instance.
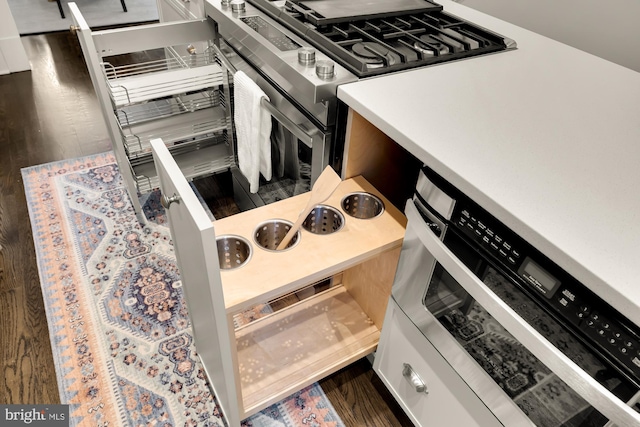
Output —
(49, 114)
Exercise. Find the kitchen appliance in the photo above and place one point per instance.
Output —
(301, 142)
(373, 38)
(519, 335)
(299, 52)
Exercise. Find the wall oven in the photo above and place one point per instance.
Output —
(532, 344)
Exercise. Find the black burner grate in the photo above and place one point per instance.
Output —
(375, 46)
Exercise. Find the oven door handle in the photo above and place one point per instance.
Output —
(297, 131)
(588, 388)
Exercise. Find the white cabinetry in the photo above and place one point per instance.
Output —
(426, 387)
(348, 274)
(13, 57)
(169, 85)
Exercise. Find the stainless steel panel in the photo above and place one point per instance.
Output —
(434, 196)
(433, 251)
(286, 114)
(300, 81)
(329, 11)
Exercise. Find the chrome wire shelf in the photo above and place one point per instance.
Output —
(170, 63)
(130, 115)
(172, 86)
(173, 130)
(135, 83)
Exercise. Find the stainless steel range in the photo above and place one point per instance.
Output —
(375, 38)
(299, 52)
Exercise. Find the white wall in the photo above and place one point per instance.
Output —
(609, 29)
(13, 57)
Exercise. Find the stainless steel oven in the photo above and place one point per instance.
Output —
(533, 344)
(301, 101)
(300, 146)
(299, 52)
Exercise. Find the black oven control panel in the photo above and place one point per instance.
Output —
(566, 298)
(486, 235)
(614, 338)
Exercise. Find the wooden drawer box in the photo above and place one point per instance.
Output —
(254, 365)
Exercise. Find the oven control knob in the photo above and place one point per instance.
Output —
(325, 69)
(306, 55)
(237, 6)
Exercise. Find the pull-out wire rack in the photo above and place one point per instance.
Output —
(180, 99)
(135, 83)
(162, 80)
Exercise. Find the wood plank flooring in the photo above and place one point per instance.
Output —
(50, 114)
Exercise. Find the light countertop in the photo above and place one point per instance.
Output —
(545, 137)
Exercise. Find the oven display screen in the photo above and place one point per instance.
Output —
(538, 277)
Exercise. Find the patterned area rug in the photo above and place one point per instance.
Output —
(118, 321)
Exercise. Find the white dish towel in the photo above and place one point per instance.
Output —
(253, 130)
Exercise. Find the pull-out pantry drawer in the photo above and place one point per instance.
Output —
(422, 382)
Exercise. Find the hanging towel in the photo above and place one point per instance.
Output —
(253, 130)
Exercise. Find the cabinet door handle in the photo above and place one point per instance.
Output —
(414, 379)
(166, 201)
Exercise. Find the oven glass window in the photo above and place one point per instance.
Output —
(291, 164)
(541, 395)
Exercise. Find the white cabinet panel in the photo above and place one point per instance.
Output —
(405, 360)
(194, 240)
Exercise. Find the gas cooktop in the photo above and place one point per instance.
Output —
(381, 37)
